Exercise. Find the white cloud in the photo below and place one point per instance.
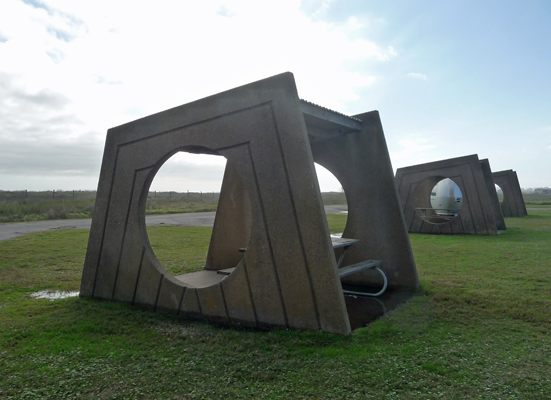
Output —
(413, 151)
(417, 75)
(178, 52)
(71, 70)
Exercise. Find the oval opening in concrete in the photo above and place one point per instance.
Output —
(499, 193)
(438, 200)
(334, 199)
(186, 183)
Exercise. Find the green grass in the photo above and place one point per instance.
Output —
(174, 206)
(180, 250)
(537, 199)
(480, 328)
(37, 206)
(37, 210)
(48, 209)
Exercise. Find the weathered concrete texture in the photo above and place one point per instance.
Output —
(270, 204)
(494, 200)
(361, 163)
(513, 201)
(480, 213)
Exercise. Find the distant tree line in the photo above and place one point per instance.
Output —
(542, 190)
(22, 195)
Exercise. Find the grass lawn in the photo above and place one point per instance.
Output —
(479, 328)
(38, 206)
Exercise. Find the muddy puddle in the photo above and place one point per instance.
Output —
(53, 295)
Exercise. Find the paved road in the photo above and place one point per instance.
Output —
(8, 231)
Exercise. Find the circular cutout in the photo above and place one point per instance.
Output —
(499, 193)
(334, 200)
(438, 200)
(446, 198)
(190, 183)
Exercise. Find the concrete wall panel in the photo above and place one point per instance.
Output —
(361, 163)
(513, 202)
(170, 295)
(149, 283)
(238, 297)
(494, 200)
(190, 303)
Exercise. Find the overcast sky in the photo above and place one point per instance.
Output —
(449, 78)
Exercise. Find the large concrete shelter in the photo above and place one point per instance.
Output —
(480, 212)
(271, 261)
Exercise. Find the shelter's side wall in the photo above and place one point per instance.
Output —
(127, 274)
(508, 205)
(519, 198)
(258, 264)
(234, 232)
(291, 223)
(101, 206)
(288, 277)
(361, 163)
(494, 200)
(481, 206)
(513, 202)
(307, 210)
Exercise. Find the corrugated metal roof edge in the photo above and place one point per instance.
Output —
(328, 109)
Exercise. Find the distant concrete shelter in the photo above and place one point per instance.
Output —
(270, 207)
(480, 212)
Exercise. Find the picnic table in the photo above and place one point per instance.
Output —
(345, 244)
